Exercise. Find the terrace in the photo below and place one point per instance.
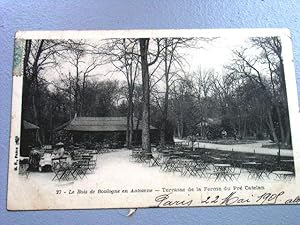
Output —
(168, 166)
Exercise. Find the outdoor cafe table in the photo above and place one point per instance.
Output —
(252, 163)
(171, 164)
(189, 167)
(152, 161)
(178, 153)
(92, 152)
(163, 156)
(219, 159)
(251, 157)
(254, 170)
(200, 165)
(64, 171)
(287, 160)
(165, 152)
(287, 164)
(222, 171)
(60, 159)
(199, 161)
(224, 155)
(194, 156)
(222, 166)
(139, 156)
(283, 175)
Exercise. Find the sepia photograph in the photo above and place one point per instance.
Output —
(128, 119)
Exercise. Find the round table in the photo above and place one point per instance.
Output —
(254, 170)
(218, 158)
(221, 171)
(283, 175)
(287, 160)
(222, 166)
(252, 163)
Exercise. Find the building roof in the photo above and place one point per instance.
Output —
(62, 126)
(29, 126)
(214, 121)
(211, 121)
(101, 124)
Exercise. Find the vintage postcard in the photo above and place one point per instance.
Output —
(153, 118)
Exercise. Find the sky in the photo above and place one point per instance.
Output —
(215, 54)
(212, 55)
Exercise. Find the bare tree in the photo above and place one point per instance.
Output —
(203, 85)
(38, 55)
(174, 63)
(78, 54)
(123, 55)
(265, 70)
(272, 56)
(145, 64)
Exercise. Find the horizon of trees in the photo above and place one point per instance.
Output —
(247, 100)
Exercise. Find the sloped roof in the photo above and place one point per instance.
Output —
(214, 121)
(29, 126)
(211, 121)
(101, 124)
(62, 126)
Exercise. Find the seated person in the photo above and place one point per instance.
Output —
(59, 152)
(60, 149)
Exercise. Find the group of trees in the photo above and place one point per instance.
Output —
(155, 86)
(49, 103)
(247, 100)
(261, 89)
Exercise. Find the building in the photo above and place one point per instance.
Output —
(29, 137)
(106, 130)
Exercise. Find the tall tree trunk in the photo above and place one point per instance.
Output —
(285, 103)
(181, 122)
(137, 126)
(70, 97)
(130, 120)
(282, 133)
(239, 127)
(35, 116)
(25, 90)
(245, 128)
(82, 98)
(129, 130)
(27, 81)
(271, 126)
(146, 145)
(178, 129)
(36, 93)
(51, 121)
(287, 138)
(77, 90)
(166, 100)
